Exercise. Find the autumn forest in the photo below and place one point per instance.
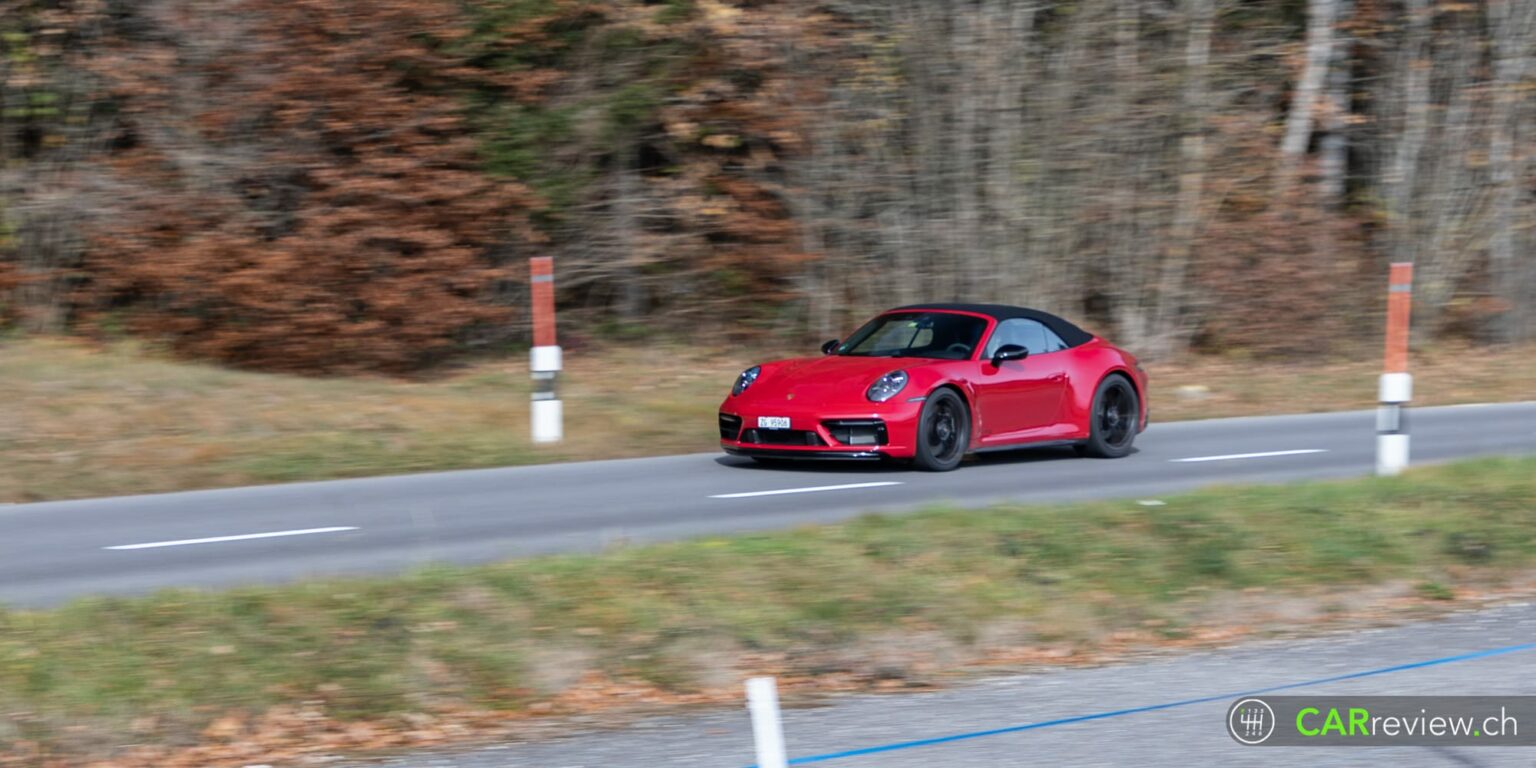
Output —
(338, 186)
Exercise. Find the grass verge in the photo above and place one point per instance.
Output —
(280, 671)
(79, 420)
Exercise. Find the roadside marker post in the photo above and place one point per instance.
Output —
(544, 359)
(1396, 386)
(767, 730)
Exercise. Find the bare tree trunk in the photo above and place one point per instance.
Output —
(1173, 301)
(1023, 264)
(965, 184)
(1123, 251)
(631, 300)
(1402, 168)
(817, 283)
(1334, 146)
(1511, 27)
(1298, 123)
(1447, 213)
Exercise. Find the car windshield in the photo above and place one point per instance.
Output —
(940, 335)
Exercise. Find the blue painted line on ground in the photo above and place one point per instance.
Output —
(1156, 707)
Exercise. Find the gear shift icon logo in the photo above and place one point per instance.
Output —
(1251, 721)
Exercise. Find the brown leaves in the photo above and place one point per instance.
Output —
(334, 219)
(1286, 280)
(304, 193)
(295, 186)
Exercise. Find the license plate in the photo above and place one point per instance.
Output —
(773, 422)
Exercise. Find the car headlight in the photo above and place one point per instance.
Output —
(887, 386)
(745, 380)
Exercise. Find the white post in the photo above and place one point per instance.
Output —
(1391, 424)
(767, 731)
(547, 415)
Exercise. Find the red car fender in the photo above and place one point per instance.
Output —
(928, 378)
(1100, 358)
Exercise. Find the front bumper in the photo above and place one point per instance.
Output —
(877, 431)
(821, 455)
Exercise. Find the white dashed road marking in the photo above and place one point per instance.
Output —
(240, 537)
(816, 489)
(1262, 455)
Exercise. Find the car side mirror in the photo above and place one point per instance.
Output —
(1008, 352)
(829, 347)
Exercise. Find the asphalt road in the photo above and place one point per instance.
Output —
(1175, 737)
(57, 550)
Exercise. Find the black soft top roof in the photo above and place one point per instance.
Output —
(1069, 333)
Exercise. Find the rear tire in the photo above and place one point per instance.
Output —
(943, 432)
(1113, 420)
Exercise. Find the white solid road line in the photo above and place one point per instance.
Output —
(1262, 455)
(783, 491)
(240, 537)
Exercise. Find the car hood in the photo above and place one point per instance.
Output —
(828, 378)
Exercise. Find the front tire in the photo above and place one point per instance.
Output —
(943, 432)
(1113, 420)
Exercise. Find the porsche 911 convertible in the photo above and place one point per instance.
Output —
(930, 383)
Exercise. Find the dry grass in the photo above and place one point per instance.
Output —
(1443, 375)
(78, 420)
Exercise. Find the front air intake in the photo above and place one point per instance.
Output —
(730, 426)
(858, 431)
(782, 437)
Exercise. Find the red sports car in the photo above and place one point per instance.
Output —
(930, 383)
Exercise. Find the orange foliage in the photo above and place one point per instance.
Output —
(1287, 280)
(323, 210)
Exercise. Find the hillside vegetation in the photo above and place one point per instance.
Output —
(354, 185)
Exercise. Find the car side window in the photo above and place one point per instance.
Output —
(1053, 343)
(1029, 334)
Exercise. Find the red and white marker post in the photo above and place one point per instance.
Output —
(1396, 383)
(546, 416)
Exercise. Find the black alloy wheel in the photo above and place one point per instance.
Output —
(943, 432)
(1114, 420)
